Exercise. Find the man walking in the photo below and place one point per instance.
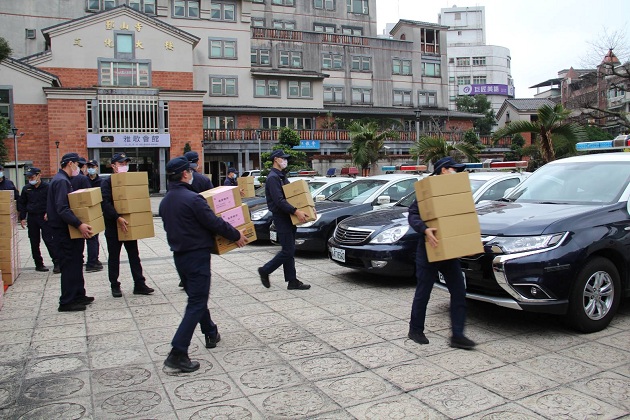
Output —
(200, 181)
(190, 226)
(7, 184)
(93, 263)
(230, 179)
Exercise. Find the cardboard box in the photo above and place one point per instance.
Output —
(301, 200)
(8, 230)
(238, 216)
(87, 214)
(129, 178)
(6, 196)
(130, 192)
(455, 247)
(7, 208)
(137, 232)
(9, 219)
(460, 224)
(9, 278)
(310, 211)
(246, 184)
(434, 186)
(98, 226)
(85, 198)
(223, 245)
(223, 198)
(8, 243)
(446, 205)
(295, 188)
(138, 219)
(1, 294)
(132, 206)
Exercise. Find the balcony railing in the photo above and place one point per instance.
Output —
(270, 33)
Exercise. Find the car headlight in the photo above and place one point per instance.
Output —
(391, 235)
(514, 244)
(259, 214)
(309, 224)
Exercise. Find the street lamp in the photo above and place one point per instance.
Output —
(14, 130)
(259, 151)
(57, 145)
(418, 112)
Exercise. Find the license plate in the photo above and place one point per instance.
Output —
(273, 235)
(338, 254)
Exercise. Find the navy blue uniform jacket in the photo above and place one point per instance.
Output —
(229, 182)
(57, 206)
(33, 200)
(201, 182)
(110, 215)
(277, 203)
(96, 182)
(415, 221)
(189, 222)
(79, 182)
(7, 184)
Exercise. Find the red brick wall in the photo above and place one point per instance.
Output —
(248, 121)
(83, 78)
(172, 80)
(32, 120)
(186, 126)
(67, 124)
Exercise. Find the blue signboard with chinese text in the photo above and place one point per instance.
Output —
(307, 145)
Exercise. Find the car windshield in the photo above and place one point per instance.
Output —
(475, 184)
(315, 185)
(358, 191)
(407, 200)
(574, 183)
(260, 192)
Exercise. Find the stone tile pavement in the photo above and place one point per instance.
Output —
(337, 351)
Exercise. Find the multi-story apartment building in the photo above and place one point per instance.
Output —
(153, 76)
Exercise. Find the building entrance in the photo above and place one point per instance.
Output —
(145, 159)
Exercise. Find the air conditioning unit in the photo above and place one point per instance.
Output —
(31, 33)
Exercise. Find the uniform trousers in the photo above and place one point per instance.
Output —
(193, 268)
(39, 229)
(70, 258)
(427, 275)
(92, 250)
(284, 258)
(113, 262)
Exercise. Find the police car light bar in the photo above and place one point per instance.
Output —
(414, 168)
(307, 173)
(618, 143)
(497, 165)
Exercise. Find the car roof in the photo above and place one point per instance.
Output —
(485, 176)
(597, 157)
(392, 177)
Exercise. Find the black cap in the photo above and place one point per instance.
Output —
(447, 162)
(92, 162)
(230, 170)
(177, 165)
(120, 157)
(33, 171)
(278, 154)
(82, 161)
(69, 157)
(192, 156)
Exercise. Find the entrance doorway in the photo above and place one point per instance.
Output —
(145, 159)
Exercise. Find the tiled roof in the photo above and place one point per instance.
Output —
(529, 104)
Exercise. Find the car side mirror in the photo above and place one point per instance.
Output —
(383, 199)
(320, 197)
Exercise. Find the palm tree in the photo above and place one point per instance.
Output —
(367, 143)
(431, 149)
(552, 129)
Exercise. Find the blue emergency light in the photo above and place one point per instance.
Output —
(619, 142)
(413, 168)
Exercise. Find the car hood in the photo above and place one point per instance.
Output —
(378, 219)
(328, 206)
(514, 219)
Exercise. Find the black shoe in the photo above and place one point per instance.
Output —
(298, 285)
(462, 342)
(417, 337)
(91, 268)
(56, 269)
(41, 268)
(98, 264)
(116, 292)
(181, 362)
(142, 289)
(264, 278)
(84, 300)
(211, 342)
(181, 284)
(71, 307)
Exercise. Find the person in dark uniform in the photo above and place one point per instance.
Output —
(281, 211)
(113, 220)
(190, 225)
(32, 206)
(427, 274)
(200, 181)
(7, 184)
(93, 263)
(230, 179)
(69, 251)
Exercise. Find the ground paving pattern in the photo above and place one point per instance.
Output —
(337, 351)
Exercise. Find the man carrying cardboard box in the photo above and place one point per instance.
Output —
(282, 211)
(427, 274)
(69, 251)
(190, 225)
(120, 164)
(93, 263)
(200, 181)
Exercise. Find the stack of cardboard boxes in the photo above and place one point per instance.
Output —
(130, 192)
(445, 202)
(299, 196)
(246, 185)
(9, 255)
(226, 203)
(86, 205)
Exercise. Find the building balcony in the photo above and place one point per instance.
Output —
(323, 37)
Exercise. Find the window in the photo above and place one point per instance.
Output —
(258, 22)
(268, 88)
(223, 86)
(295, 123)
(463, 80)
(283, 2)
(258, 1)
(324, 4)
(284, 24)
(358, 6)
(128, 114)
(222, 48)
(427, 99)
(290, 59)
(120, 73)
(479, 61)
(260, 57)
(402, 97)
(351, 30)
(123, 45)
(360, 63)
(463, 61)
(401, 66)
(431, 69)
(332, 61)
(186, 8)
(31, 33)
(300, 89)
(218, 122)
(361, 96)
(479, 80)
(458, 16)
(5, 104)
(322, 27)
(145, 6)
(98, 5)
(223, 11)
(333, 94)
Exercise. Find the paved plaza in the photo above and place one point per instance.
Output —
(337, 351)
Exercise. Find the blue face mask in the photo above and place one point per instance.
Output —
(1, 174)
(32, 181)
(92, 171)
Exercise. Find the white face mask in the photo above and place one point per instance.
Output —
(32, 181)
(190, 181)
(75, 171)
(1, 174)
(283, 164)
(123, 169)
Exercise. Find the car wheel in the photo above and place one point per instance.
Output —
(595, 296)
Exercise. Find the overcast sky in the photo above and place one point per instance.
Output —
(543, 36)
